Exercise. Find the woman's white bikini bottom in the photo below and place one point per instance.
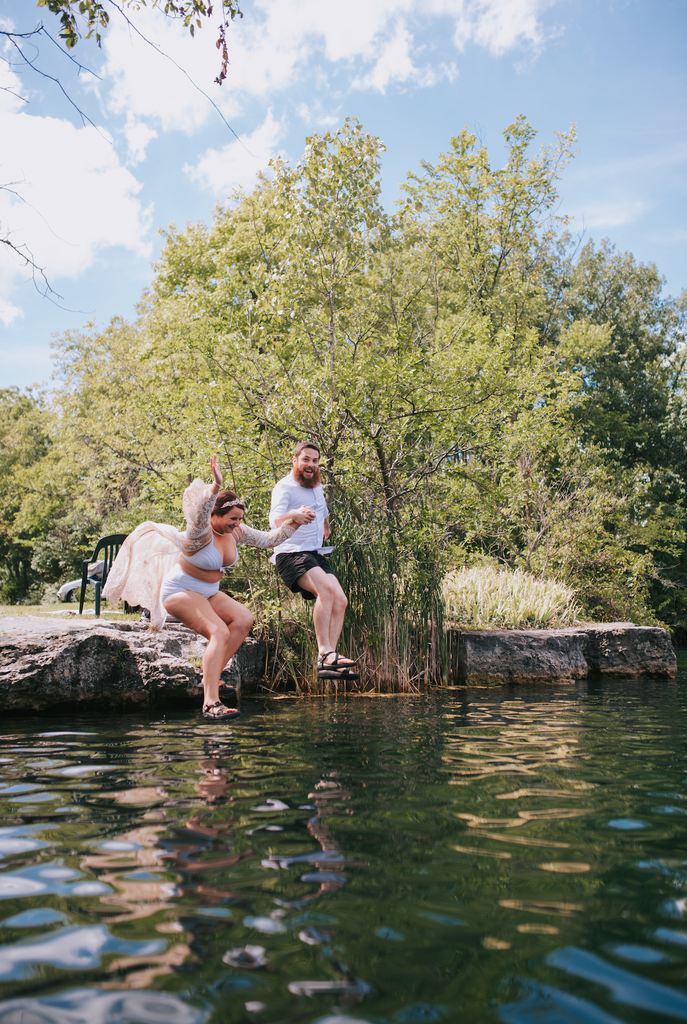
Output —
(176, 581)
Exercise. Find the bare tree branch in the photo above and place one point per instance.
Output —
(14, 37)
(179, 67)
(26, 256)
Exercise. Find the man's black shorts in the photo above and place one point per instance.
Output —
(291, 565)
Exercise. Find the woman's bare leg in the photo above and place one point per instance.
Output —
(222, 621)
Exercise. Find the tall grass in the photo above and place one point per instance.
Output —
(486, 598)
(394, 626)
(395, 619)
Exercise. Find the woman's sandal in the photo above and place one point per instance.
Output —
(227, 713)
(334, 670)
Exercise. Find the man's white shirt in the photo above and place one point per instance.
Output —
(288, 494)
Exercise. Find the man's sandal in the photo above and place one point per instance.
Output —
(208, 712)
(334, 669)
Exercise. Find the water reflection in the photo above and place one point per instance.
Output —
(91, 1006)
(350, 860)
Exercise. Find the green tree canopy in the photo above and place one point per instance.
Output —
(480, 388)
(449, 359)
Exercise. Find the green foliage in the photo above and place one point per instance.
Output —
(631, 364)
(25, 441)
(477, 387)
(490, 234)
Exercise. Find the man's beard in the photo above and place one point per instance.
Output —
(305, 481)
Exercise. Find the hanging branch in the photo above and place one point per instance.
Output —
(25, 254)
(222, 44)
(96, 17)
(179, 67)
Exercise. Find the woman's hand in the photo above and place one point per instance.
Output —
(216, 475)
(302, 515)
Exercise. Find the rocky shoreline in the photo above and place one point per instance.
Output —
(110, 665)
(123, 665)
(498, 657)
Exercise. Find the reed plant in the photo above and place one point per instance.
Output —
(402, 614)
(394, 625)
(395, 619)
(484, 597)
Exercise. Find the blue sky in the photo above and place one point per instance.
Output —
(90, 199)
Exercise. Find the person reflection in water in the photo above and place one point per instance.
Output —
(324, 795)
(329, 864)
(130, 863)
(134, 861)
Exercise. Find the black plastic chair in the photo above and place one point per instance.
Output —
(109, 546)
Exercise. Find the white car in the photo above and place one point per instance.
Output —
(67, 589)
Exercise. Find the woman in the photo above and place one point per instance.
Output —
(178, 574)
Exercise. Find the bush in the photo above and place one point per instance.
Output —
(489, 598)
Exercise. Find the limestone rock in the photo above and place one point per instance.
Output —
(495, 657)
(111, 665)
(45, 663)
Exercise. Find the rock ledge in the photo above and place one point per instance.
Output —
(118, 665)
(110, 665)
(486, 657)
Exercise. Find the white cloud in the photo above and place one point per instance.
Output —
(279, 41)
(8, 312)
(138, 135)
(394, 64)
(612, 214)
(614, 192)
(315, 114)
(500, 25)
(68, 197)
(235, 165)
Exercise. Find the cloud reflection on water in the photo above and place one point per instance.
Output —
(92, 1006)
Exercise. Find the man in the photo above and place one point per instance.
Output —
(300, 560)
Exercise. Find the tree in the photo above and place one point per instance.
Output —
(25, 439)
(631, 370)
(492, 234)
(456, 362)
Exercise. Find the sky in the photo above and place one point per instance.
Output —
(88, 197)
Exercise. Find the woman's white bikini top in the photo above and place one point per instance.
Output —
(209, 558)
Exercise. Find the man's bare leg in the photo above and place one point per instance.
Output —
(330, 608)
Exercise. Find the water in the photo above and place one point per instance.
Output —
(505, 856)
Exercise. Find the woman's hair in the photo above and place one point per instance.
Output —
(226, 501)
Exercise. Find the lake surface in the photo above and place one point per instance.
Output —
(471, 855)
